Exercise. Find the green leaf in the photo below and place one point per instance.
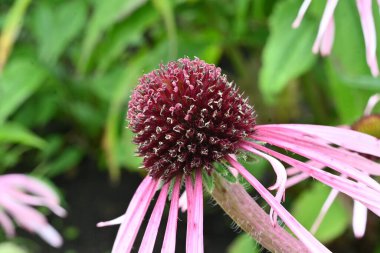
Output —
(14, 133)
(56, 25)
(11, 27)
(125, 34)
(208, 181)
(21, 78)
(10, 247)
(222, 170)
(66, 160)
(243, 243)
(166, 8)
(287, 53)
(350, 81)
(106, 14)
(308, 205)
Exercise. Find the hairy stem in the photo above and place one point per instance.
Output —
(242, 208)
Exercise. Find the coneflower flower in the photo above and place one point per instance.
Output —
(188, 118)
(324, 41)
(18, 193)
(369, 124)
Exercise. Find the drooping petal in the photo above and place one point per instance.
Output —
(150, 235)
(328, 38)
(359, 219)
(169, 243)
(301, 13)
(50, 235)
(280, 181)
(196, 216)
(355, 190)
(25, 216)
(313, 244)
(372, 102)
(325, 208)
(369, 32)
(6, 224)
(351, 158)
(324, 154)
(190, 206)
(323, 26)
(134, 215)
(31, 185)
(345, 138)
(116, 221)
(297, 178)
(38, 201)
(183, 202)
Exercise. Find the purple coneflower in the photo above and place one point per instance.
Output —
(325, 37)
(370, 124)
(187, 118)
(17, 194)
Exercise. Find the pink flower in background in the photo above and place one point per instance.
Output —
(325, 37)
(18, 193)
(359, 218)
(187, 117)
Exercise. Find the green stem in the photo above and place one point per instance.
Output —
(242, 208)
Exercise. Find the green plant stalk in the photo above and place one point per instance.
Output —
(250, 217)
(11, 28)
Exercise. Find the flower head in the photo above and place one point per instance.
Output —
(187, 116)
(324, 41)
(17, 194)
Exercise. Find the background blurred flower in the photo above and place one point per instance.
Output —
(17, 194)
(325, 37)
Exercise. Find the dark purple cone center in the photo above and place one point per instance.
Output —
(186, 115)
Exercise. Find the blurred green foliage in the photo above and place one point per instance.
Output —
(68, 68)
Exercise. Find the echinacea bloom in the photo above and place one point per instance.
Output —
(370, 124)
(187, 118)
(18, 194)
(325, 37)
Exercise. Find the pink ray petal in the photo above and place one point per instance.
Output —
(7, 225)
(31, 185)
(25, 216)
(50, 235)
(346, 138)
(355, 190)
(196, 216)
(329, 156)
(169, 243)
(328, 38)
(183, 202)
(190, 206)
(116, 221)
(325, 208)
(313, 244)
(280, 182)
(38, 201)
(359, 219)
(134, 216)
(369, 32)
(372, 102)
(297, 178)
(301, 13)
(326, 19)
(348, 157)
(150, 235)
